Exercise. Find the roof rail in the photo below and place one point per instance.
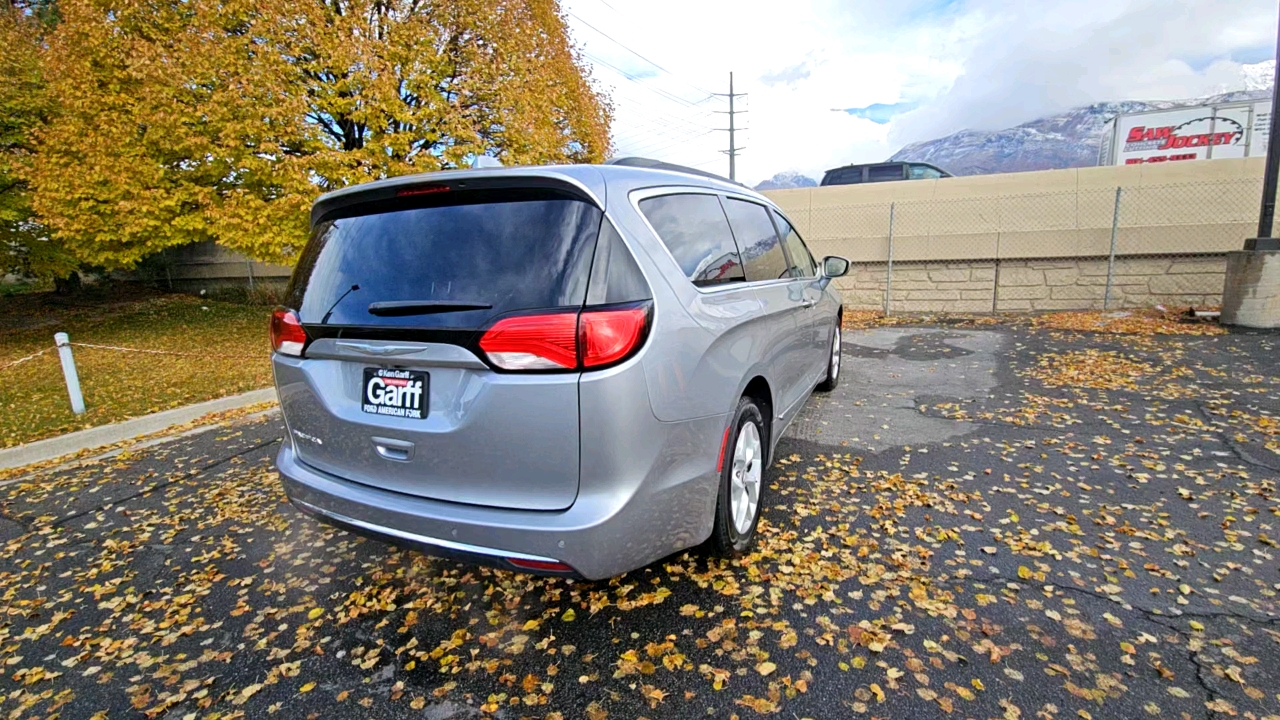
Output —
(652, 164)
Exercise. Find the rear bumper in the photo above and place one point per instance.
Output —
(616, 528)
(436, 546)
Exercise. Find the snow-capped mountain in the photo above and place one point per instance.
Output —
(1259, 75)
(787, 180)
(1069, 139)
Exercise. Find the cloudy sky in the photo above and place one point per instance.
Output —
(893, 72)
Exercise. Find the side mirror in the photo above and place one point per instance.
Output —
(834, 266)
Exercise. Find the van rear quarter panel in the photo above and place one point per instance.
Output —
(656, 480)
(704, 346)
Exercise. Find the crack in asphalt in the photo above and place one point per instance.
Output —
(1211, 421)
(176, 478)
(1165, 621)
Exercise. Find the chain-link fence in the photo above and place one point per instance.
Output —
(1087, 248)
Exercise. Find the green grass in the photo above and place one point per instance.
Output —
(228, 342)
(22, 288)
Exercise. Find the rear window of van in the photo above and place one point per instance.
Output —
(510, 250)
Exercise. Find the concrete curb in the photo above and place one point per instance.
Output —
(56, 447)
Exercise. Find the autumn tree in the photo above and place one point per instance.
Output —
(26, 246)
(183, 121)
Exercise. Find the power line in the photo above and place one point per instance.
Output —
(661, 146)
(656, 142)
(705, 163)
(648, 136)
(633, 52)
(641, 128)
(642, 115)
(666, 117)
(650, 88)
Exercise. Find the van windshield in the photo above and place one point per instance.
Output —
(469, 256)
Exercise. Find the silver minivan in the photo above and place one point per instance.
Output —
(569, 370)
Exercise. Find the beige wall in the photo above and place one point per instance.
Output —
(1037, 285)
(1177, 208)
(210, 263)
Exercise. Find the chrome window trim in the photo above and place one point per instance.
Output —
(646, 193)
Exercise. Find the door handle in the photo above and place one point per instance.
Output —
(392, 449)
(806, 303)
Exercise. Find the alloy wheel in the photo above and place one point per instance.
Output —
(744, 478)
(835, 356)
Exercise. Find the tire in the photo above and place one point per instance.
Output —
(735, 527)
(833, 364)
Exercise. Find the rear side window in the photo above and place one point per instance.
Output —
(843, 176)
(510, 250)
(695, 230)
(802, 264)
(883, 173)
(757, 240)
(615, 277)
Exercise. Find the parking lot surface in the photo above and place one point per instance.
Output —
(997, 522)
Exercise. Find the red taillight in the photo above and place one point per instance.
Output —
(566, 341)
(533, 342)
(287, 335)
(610, 335)
(540, 565)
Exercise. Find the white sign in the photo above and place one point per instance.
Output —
(1181, 134)
(1261, 129)
(1233, 120)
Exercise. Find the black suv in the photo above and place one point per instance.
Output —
(883, 172)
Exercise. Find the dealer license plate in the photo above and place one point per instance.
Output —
(397, 393)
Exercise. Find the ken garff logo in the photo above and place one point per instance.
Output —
(394, 388)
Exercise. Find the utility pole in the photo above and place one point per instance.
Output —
(1266, 239)
(1251, 293)
(733, 150)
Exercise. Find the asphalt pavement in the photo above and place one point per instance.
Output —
(979, 522)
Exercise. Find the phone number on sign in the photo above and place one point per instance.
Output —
(1160, 158)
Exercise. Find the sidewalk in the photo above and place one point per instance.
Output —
(75, 442)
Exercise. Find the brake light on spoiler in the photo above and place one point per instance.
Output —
(590, 339)
(422, 190)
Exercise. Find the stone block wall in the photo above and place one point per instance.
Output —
(1037, 285)
(921, 287)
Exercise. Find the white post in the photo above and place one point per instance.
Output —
(69, 372)
(888, 280)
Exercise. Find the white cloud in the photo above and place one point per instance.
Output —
(965, 63)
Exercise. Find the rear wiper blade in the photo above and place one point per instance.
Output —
(401, 308)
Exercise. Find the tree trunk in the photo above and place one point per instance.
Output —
(69, 285)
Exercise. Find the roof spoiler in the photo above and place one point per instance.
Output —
(640, 162)
(439, 183)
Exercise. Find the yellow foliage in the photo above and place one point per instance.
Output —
(223, 119)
